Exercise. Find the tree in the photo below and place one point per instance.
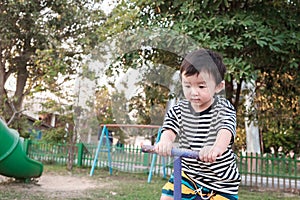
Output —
(256, 38)
(42, 45)
(278, 108)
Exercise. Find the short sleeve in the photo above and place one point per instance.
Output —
(171, 120)
(227, 119)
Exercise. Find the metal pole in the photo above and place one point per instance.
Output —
(177, 178)
(177, 154)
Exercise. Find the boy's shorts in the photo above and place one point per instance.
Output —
(190, 190)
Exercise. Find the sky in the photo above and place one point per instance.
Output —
(108, 5)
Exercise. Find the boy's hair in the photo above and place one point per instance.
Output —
(204, 60)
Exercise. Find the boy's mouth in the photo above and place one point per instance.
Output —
(195, 100)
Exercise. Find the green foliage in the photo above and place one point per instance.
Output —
(42, 46)
(143, 93)
(278, 101)
(55, 135)
(259, 40)
(63, 130)
(22, 126)
(103, 106)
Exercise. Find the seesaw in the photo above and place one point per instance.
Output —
(177, 154)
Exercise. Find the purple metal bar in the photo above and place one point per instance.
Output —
(177, 178)
(177, 153)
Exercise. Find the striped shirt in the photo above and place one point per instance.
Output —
(198, 129)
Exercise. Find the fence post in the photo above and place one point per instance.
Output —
(146, 160)
(253, 162)
(80, 154)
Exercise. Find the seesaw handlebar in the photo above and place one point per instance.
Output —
(176, 152)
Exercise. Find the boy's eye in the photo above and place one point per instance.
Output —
(202, 86)
(187, 86)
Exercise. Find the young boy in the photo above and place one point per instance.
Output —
(206, 123)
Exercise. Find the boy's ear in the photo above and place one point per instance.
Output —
(220, 86)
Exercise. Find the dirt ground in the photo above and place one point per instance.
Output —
(55, 186)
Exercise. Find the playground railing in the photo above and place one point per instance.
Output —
(257, 171)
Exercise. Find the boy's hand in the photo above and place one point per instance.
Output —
(210, 153)
(163, 148)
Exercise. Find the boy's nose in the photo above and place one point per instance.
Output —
(194, 91)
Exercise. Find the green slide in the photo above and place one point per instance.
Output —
(13, 160)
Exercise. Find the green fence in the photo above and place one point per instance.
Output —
(269, 171)
(256, 170)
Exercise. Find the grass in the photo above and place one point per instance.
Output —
(143, 190)
(119, 186)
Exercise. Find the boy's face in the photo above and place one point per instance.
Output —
(200, 89)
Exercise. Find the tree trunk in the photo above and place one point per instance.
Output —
(229, 91)
(72, 135)
(5, 109)
(22, 75)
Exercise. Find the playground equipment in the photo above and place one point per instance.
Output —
(105, 133)
(13, 159)
(177, 154)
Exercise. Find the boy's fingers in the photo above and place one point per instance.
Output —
(212, 157)
(156, 148)
(206, 155)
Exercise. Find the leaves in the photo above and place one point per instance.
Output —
(256, 38)
(42, 43)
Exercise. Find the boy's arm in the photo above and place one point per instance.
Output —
(210, 153)
(165, 144)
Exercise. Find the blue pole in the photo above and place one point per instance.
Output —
(97, 151)
(107, 141)
(163, 160)
(154, 160)
(152, 167)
